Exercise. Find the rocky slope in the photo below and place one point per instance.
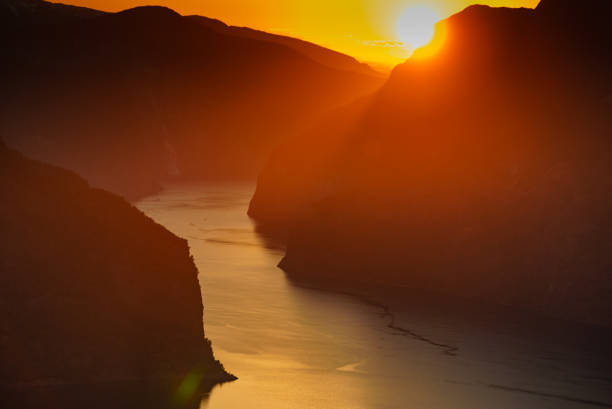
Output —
(481, 170)
(92, 292)
(131, 98)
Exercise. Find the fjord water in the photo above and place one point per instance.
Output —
(295, 347)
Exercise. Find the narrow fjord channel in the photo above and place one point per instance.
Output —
(295, 347)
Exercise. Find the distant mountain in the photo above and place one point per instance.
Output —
(482, 170)
(319, 54)
(130, 98)
(26, 12)
(93, 294)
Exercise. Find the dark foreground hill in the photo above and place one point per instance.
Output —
(482, 170)
(128, 99)
(93, 296)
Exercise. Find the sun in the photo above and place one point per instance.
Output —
(415, 26)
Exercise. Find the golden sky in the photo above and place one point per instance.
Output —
(365, 29)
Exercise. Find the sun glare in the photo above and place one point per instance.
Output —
(415, 26)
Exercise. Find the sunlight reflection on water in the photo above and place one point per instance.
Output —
(293, 347)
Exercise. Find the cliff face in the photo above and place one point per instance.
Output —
(131, 98)
(479, 170)
(91, 290)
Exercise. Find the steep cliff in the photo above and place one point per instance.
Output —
(479, 169)
(92, 292)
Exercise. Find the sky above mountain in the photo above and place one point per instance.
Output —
(377, 31)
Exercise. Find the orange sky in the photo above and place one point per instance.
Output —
(366, 29)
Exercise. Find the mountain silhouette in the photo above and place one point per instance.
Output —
(93, 295)
(26, 12)
(127, 99)
(315, 52)
(481, 170)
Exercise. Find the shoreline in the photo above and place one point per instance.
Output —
(387, 312)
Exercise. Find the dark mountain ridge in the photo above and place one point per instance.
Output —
(480, 171)
(128, 99)
(27, 12)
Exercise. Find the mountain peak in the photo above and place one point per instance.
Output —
(150, 12)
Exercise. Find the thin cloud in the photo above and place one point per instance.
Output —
(384, 43)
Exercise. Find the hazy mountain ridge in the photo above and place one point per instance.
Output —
(316, 52)
(126, 99)
(92, 291)
(480, 171)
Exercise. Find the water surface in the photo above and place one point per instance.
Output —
(297, 348)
